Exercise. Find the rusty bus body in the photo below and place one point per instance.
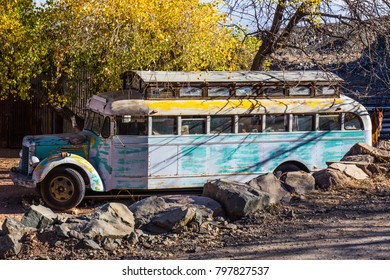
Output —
(174, 130)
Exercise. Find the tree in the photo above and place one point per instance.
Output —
(349, 37)
(20, 47)
(109, 37)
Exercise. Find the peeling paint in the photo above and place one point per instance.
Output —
(48, 164)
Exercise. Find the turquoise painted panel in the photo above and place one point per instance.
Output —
(233, 158)
(192, 159)
(189, 161)
(132, 161)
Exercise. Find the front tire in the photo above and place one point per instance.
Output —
(63, 188)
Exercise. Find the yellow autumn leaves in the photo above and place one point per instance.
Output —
(97, 40)
(109, 37)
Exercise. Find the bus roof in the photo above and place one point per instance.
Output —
(121, 103)
(236, 76)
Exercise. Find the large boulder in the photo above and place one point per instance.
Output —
(300, 182)
(38, 216)
(172, 212)
(327, 179)
(238, 199)
(173, 219)
(379, 155)
(111, 220)
(271, 184)
(350, 170)
(208, 208)
(145, 209)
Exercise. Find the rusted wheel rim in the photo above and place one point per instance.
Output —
(61, 188)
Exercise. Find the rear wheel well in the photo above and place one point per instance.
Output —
(289, 166)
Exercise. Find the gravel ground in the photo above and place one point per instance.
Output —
(350, 222)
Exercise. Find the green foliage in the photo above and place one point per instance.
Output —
(105, 38)
(109, 37)
(20, 48)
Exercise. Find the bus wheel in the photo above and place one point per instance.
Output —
(63, 188)
(287, 167)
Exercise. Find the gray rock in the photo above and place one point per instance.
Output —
(133, 238)
(110, 245)
(145, 209)
(327, 179)
(12, 227)
(208, 208)
(38, 216)
(90, 244)
(173, 212)
(301, 182)
(10, 245)
(359, 158)
(270, 184)
(379, 155)
(237, 199)
(172, 219)
(352, 171)
(112, 220)
(371, 169)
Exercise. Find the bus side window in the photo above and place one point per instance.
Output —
(221, 124)
(326, 90)
(247, 124)
(164, 125)
(303, 123)
(193, 125)
(276, 123)
(329, 122)
(273, 91)
(218, 91)
(127, 125)
(352, 122)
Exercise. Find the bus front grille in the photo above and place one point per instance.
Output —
(24, 159)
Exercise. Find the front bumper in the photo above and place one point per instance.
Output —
(21, 179)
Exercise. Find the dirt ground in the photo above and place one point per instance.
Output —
(351, 222)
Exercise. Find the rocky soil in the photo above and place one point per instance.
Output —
(351, 221)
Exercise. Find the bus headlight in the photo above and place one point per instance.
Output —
(34, 161)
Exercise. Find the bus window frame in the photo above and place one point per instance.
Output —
(341, 120)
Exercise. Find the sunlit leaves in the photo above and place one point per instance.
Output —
(19, 48)
(94, 41)
(108, 37)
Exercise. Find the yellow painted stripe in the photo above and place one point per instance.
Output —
(247, 104)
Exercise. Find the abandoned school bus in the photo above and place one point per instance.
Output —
(171, 130)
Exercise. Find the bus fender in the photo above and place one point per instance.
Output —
(48, 164)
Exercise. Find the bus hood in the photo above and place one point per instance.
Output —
(47, 145)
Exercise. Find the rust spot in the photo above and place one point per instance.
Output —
(65, 154)
(77, 139)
